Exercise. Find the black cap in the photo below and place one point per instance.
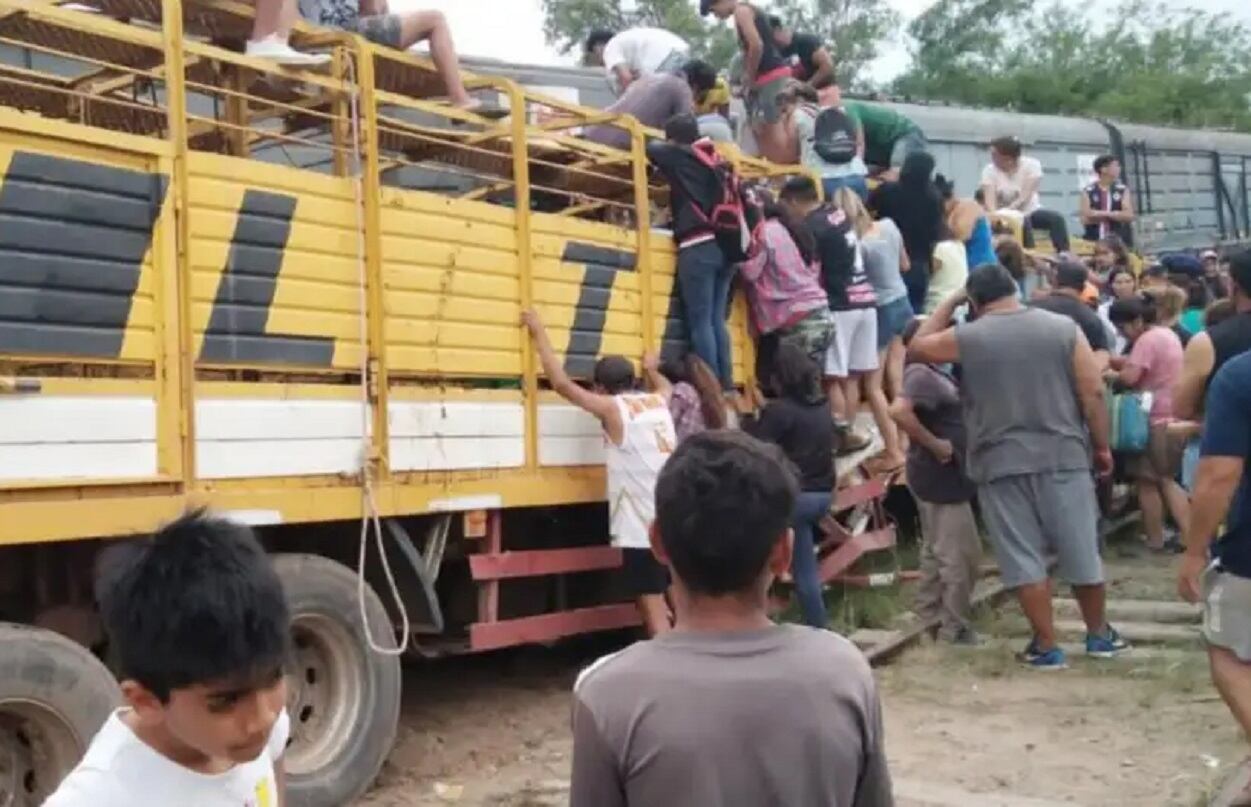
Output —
(705, 7)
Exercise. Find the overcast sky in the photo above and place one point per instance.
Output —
(482, 29)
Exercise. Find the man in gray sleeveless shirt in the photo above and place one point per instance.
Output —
(1033, 406)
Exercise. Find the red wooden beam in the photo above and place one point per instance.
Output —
(533, 563)
(549, 627)
(848, 498)
(841, 559)
(489, 591)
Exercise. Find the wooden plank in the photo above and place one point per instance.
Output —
(489, 591)
(848, 498)
(1140, 610)
(850, 551)
(1137, 631)
(549, 627)
(533, 563)
(883, 653)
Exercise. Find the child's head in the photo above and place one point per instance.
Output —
(198, 623)
(795, 375)
(614, 375)
(799, 194)
(721, 8)
(723, 508)
(682, 129)
(1110, 253)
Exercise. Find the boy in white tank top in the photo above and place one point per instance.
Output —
(638, 438)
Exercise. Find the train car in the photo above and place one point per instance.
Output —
(1190, 185)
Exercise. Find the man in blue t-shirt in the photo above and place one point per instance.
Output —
(1223, 495)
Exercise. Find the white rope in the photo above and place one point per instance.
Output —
(369, 505)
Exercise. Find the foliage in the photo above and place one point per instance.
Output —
(854, 30)
(1146, 63)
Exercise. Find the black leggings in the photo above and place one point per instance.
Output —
(1055, 225)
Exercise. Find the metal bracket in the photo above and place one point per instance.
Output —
(417, 586)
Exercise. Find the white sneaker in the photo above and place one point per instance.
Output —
(278, 50)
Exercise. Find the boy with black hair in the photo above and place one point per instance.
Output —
(639, 436)
(654, 99)
(728, 708)
(198, 622)
(765, 73)
(928, 410)
(704, 274)
(1107, 207)
(810, 59)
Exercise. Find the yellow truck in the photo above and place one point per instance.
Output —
(329, 352)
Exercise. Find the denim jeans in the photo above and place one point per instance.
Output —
(704, 277)
(810, 508)
(856, 182)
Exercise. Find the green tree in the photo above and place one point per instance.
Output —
(854, 30)
(1145, 63)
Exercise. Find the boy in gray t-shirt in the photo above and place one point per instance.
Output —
(728, 709)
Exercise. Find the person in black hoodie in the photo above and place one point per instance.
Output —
(704, 274)
(917, 208)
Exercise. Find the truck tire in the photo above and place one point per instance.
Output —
(344, 699)
(54, 697)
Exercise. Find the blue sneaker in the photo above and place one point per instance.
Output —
(1048, 660)
(1109, 645)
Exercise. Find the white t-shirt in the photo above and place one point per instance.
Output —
(648, 438)
(1008, 186)
(643, 50)
(120, 770)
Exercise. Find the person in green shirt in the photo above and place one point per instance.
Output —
(889, 138)
(1196, 306)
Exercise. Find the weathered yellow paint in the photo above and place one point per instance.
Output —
(445, 280)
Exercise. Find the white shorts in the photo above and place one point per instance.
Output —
(854, 347)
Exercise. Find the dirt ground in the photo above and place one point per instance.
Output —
(966, 728)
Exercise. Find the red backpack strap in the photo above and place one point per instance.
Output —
(706, 152)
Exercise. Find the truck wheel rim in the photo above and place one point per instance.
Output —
(38, 747)
(326, 692)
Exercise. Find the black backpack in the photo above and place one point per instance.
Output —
(835, 136)
(737, 217)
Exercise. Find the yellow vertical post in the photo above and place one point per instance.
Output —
(178, 343)
(375, 311)
(521, 197)
(340, 125)
(740, 304)
(643, 211)
(237, 112)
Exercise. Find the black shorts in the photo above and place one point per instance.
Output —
(643, 573)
